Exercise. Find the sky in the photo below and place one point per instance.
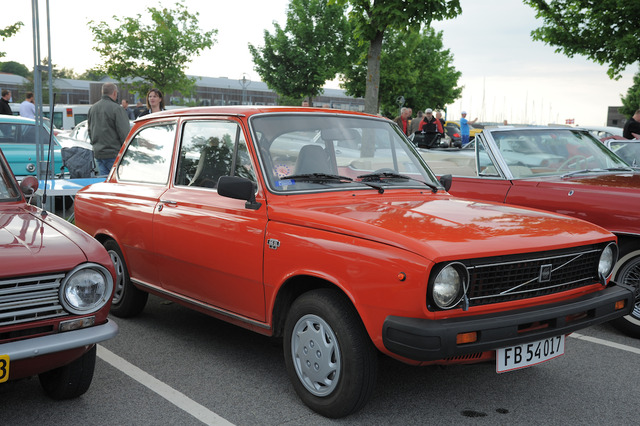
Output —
(505, 74)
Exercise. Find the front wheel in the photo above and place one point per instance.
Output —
(330, 360)
(629, 274)
(72, 380)
(128, 300)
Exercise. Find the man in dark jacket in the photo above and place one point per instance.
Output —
(5, 108)
(632, 127)
(108, 127)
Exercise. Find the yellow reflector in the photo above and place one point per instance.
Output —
(463, 338)
(620, 304)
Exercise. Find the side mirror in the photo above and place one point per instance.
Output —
(29, 185)
(446, 181)
(240, 189)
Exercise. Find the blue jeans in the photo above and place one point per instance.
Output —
(465, 139)
(104, 165)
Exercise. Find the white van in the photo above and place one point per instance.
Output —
(65, 117)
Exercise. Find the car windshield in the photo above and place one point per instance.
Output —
(312, 152)
(534, 152)
(628, 151)
(8, 188)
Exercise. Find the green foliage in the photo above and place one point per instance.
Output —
(631, 102)
(13, 67)
(92, 74)
(296, 61)
(370, 20)
(157, 53)
(605, 31)
(8, 32)
(413, 65)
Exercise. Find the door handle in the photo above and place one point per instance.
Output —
(168, 202)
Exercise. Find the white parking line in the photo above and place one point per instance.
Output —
(178, 399)
(605, 343)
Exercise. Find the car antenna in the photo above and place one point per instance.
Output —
(46, 175)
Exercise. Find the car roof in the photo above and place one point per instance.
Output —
(16, 119)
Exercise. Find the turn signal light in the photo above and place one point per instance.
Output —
(620, 304)
(470, 337)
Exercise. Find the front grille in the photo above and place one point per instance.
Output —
(29, 299)
(508, 278)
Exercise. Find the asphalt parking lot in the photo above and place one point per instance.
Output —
(174, 366)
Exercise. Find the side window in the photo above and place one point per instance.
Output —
(148, 156)
(210, 149)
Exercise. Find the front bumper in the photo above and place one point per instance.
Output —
(59, 342)
(428, 340)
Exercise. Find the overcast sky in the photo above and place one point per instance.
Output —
(504, 73)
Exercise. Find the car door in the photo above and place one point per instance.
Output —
(210, 247)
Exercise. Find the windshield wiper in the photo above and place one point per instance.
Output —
(325, 177)
(620, 169)
(388, 175)
(610, 169)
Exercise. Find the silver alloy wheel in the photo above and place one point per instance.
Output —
(631, 277)
(119, 284)
(316, 355)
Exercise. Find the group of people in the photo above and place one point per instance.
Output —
(108, 123)
(430, 123)
(27, 107)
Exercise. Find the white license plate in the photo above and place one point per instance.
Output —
(528, 354)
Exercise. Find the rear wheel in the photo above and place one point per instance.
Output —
(629, 274)
(330, 360)
(128, 300)
(72, 380)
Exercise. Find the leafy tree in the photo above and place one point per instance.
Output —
(297, 61)
(7, 32)
(605, 31)
(631, 102)
(413, 65)
(13, 67)
(92, 74)
(371, 19)
(156, 54)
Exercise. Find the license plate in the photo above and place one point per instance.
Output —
(528, 354)
(4, 368)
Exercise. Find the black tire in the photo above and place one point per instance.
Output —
(342, 377)
(72, 380)
(629, 274)
(128, 300)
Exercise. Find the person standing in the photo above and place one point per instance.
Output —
(403, 120)
(128, 109)
(155, 102)
(632, 127)
(5, 108)
(415, 123)
(464, 128)
(108, 127)
(28, 106)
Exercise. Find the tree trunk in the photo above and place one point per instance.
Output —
(373, 75)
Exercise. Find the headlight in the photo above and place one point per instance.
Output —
(608, 259)
(86, 289)
(450, 285)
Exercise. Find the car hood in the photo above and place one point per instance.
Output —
(33, 245)
(441, 227)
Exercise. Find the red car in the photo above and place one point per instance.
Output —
(326, 228)
(56, 286)
(563, 170)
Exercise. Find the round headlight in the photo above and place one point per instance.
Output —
(86, 289)
(450, 285)
(608, 259)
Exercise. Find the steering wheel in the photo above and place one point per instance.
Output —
(385, 170)
(573, 159)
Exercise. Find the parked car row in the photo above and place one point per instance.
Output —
(331, 230)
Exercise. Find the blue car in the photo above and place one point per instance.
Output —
(18, 143)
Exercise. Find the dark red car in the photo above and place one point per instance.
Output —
(56, 287)
(563, 170)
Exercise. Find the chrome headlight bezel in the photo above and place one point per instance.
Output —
(607, 261)
(449, 285)
(91, 276)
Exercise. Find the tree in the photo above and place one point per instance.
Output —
(297, 61)
(605, 31)
(13, 67)
(8, 32)
(157, 54)
(92, 74)
(631, 102)
(413, 65)
(371, 19)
